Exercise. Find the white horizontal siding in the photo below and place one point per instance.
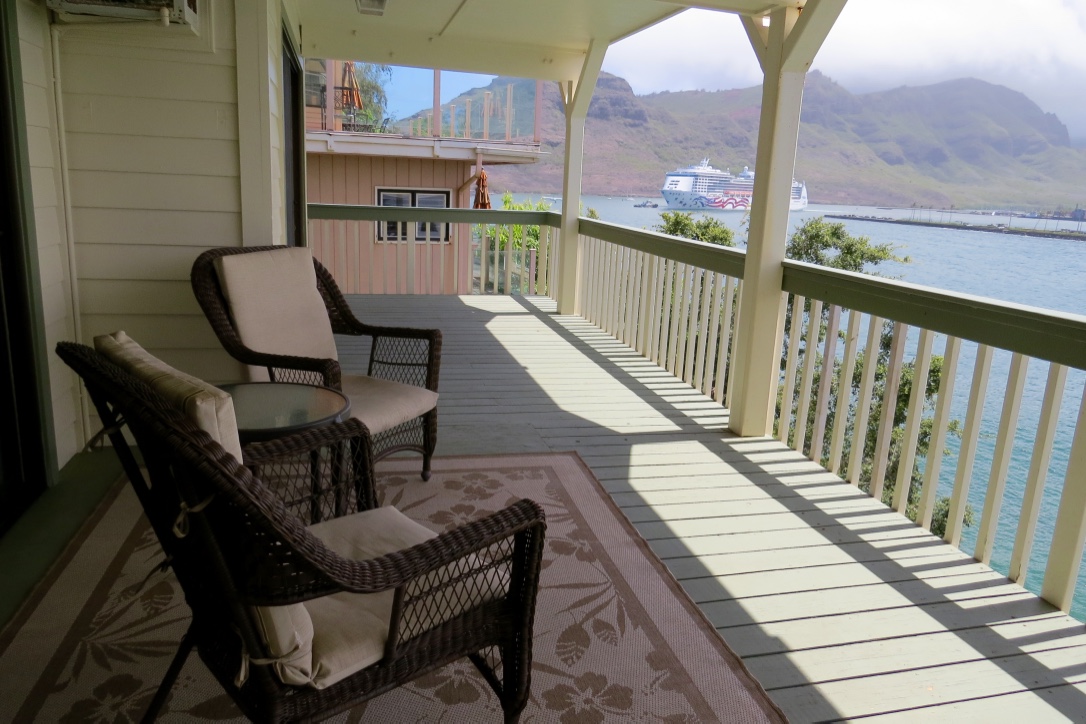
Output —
(35, 57)
(151, 127)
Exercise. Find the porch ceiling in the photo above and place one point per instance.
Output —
(522, 38)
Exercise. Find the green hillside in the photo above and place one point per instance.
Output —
(962, 143)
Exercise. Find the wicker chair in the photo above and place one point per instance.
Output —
(402, 375)
(247, 551)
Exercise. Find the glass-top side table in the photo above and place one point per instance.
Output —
(267, 410)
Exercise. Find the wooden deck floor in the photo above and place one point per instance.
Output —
(842, 608)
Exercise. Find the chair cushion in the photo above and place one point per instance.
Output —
(205, 405)
(382, 405)
(275, 304)
(327, 639)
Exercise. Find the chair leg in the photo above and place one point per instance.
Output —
(183, 651)
(429, 441)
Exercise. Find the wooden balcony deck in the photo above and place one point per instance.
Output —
(842, 608)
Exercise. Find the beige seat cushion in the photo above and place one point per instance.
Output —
(208, 407)
(382, 405)
(275, 303)
(327, 639)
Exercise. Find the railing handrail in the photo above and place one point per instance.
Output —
(1035, 332)
(359, 212)
(701, 254)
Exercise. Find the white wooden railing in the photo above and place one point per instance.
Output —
(470, 253)
(677, 302)
(674, 300)
(826, 420)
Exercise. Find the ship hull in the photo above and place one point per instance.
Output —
(691, 200)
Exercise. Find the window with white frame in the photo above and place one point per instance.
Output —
(417, 198)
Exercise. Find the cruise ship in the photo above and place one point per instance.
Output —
(705, 187)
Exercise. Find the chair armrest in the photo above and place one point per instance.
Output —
(404, 354)
(396, 569)
(319, 473)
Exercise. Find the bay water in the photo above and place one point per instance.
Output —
(1039, 272)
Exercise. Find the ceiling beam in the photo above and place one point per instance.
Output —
(814, 24)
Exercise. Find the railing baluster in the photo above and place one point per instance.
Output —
(844, 391)
(457, 228)
(613, 299)
(599, 287)
(863, 402)
(706, 382)
(1065, 555)
(553, 276)
(939, 428)
(665, 313)
(1001, 458)
(825, 382)
(788, 389)
(484, 253)
(592, 279)
(722, 360)
(678, 294)
(523, 260)
(629, 305)
(913, 418)
(509, 242)
(810, 356)
(684, 320)
(892, 382)
(643, 307)
(1038, 472)
(697, 279)
(610, 258)
(707, 279)
(629, 323)
(410, 253)
(659, 267)
(735, 326)
(959, 498)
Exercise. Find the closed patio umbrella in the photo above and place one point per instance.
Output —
(482, 193)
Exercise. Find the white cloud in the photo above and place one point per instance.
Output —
(879, 44)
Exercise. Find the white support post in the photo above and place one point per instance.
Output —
(576, 95)
(785, 53)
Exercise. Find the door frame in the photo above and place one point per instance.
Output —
(28, 455)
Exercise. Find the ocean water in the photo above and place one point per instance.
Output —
(1046, 273)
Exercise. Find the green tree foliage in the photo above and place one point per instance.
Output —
(523, 236)
(372, 79)
(705, 228)
(829, 244)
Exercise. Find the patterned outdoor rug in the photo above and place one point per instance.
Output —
(615, 638)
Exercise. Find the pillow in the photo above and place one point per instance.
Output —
(205, 405)
(275, 304)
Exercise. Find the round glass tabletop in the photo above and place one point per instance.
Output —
(267, 410)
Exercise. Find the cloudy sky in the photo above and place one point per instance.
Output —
(875, 45)
(1037, 47)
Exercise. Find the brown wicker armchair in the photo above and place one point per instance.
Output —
(241, 549)
(263, 323)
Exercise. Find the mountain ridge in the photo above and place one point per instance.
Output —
(964, 143)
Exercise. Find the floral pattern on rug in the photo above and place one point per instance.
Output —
(598, 653)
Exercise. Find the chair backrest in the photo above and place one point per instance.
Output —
(206, 406)
(275, 304)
